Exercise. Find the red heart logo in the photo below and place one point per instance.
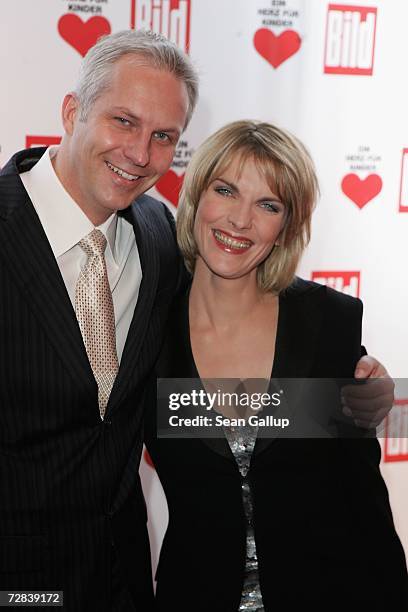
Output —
(82, 35)
(361, 191)
(276, 49)
(169, 186)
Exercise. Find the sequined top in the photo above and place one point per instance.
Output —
(242, 441)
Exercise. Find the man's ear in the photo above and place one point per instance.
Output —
(70, 112)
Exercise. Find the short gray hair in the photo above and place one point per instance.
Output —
(154, 48)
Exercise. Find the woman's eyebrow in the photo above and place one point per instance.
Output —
(222, 180)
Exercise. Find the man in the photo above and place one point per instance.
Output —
(72, 512)
(88, 269)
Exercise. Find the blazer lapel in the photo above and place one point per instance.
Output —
(296, 340)
(219, 445)
(298, 328)
(27, 254)
(149, 260)
(177, 361)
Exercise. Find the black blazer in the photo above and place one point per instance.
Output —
(71, 503)
(323, 525)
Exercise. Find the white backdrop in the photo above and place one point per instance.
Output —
(334, 74)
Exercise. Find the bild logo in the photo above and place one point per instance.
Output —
(168, 17)
(350, 39)
(403, 200)
(346, 282)
(396, 432)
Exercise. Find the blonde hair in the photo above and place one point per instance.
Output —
(288, 169)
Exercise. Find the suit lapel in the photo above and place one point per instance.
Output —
(149, 260)
(296, 339)
(27, 254)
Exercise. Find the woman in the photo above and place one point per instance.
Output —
(255, 523)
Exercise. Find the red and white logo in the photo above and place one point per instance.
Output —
(276, 49)
(396, 432)
(346, 282)
(169, 186)
(361, 191)
(82, 35)
(168, 17)
(350, 39)
(41, 141)
(403, 200)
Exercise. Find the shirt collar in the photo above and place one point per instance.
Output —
(64, 223)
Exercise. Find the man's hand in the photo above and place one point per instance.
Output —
(370, 403)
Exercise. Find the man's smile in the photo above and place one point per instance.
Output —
(122, 173)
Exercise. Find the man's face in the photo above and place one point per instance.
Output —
(127, 141)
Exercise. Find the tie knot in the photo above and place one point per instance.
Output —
(94, 243)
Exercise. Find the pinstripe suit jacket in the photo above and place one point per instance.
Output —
(70, 495)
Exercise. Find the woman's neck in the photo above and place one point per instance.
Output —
(220, 303)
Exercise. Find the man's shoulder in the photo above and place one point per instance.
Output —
(22, 161)
(150, 206)
(153, 213)
(12, 191)
(148, 203)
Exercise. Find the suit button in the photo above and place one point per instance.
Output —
(107, 422)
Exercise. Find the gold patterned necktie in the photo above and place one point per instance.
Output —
(96, 317)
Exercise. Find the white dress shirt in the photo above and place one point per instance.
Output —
(65, 225)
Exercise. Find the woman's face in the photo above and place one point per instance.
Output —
(238, 221)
